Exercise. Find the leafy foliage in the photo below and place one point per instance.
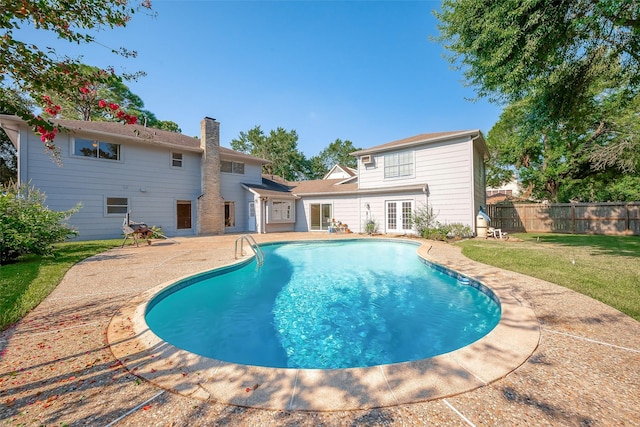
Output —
(570, 73)
(8, 160)
(336, 153)
(280, 147)
(32, 70)
(423, 218)
(27, 226)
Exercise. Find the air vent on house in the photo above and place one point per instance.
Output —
(367, 160)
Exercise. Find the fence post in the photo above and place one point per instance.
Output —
(573, 219)
(628, 222)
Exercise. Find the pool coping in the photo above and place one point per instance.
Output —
(489, 359)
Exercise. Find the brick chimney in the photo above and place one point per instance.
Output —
(211, 203)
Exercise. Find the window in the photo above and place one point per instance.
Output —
(117, 205)
(229, 214)
(281, 211)
(96, 149)
(231, 167)
(176, 160)
(398, 164)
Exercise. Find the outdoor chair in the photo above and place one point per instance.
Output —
(496, 233)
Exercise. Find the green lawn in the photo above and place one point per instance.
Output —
(606, 268)
(25, 284)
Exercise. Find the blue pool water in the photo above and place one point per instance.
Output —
(325, 305)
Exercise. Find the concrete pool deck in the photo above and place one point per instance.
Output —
(57, 367)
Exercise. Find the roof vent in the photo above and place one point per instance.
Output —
(367, 160)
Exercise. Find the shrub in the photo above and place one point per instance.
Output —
(458, 230)
(370, 226)
(27, 226)
(424, 220)
(447, 231)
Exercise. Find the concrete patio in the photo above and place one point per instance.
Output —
(57, 367)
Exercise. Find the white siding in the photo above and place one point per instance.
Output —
(446, 167)
(479, 183)
(232, 191)
(144, 176)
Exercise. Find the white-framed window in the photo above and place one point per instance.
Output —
(96, 149)
(281, 211)
(116, 205)
(398, 216)
(398, 165)
(232, 167)
(176, 160)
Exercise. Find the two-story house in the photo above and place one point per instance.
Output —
(444, 170)
(190, 186)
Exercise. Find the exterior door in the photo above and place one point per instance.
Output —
(320, 216)
(251, 224)
(183, 214)
(398, 216)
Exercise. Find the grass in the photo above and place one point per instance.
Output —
(606, 268)
(23, 285)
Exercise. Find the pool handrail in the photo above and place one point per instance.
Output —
(253, 245)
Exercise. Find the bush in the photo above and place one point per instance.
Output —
(370, 226)
(27, 226)
(447, 231)
(424, 220)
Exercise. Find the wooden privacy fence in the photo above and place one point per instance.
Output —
(574, 218)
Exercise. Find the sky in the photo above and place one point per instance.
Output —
(364, 71)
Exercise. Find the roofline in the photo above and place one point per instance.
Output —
(285, 194)
(242, 156)
(130, 138)
(135, 139)
(472, 133)
(382, 190)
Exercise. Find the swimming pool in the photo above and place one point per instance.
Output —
(325, 305)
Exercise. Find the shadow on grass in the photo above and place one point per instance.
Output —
(604, 245)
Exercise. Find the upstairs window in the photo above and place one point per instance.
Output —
(96, 149)
(232, 167)
(397, 165)
(176, 160)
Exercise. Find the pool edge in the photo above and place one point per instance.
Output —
(489, 359)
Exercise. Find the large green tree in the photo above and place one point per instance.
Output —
(336, 153)
(36, 69)
(568, 73)
(279, 146)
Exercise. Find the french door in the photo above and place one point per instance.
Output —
(398, 216)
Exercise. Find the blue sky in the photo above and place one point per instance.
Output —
(364, 71)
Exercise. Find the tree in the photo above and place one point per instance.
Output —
(97, 93)
(337, 153)
(8, 160)
(36, 71)
(280, 147)
(568, 70)
(554, 163)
